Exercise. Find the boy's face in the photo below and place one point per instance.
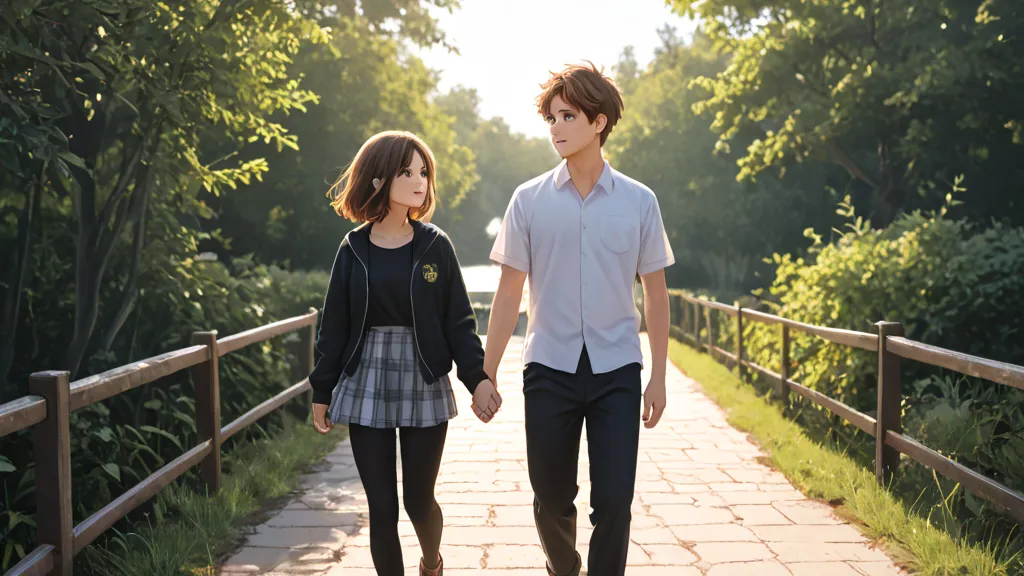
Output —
(409, 187)
(570, 129)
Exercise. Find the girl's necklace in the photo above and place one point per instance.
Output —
(385, 237)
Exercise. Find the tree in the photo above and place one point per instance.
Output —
(112, 111)
(904, 96)
(626, 71)
(719, 228)
(119, 93)
(367, 82)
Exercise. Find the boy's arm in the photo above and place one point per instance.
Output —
(512, 250)
(655, 256)
(503, 317)
(656, 313)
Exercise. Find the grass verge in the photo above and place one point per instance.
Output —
(188, 530)
(826, 473)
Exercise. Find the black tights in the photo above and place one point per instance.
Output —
(374, 451)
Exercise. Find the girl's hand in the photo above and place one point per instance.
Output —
(486, 401)
(320, 420)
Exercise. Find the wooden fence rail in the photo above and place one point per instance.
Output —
(890, 346)
(53, 397)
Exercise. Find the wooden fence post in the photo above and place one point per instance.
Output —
(684, 319)
(683, 314)
(887, 458)
(307, 346)
(52, 446)
(783, 389)
(711, 331)
(677, 305)
(739, 343)
(677, 310)
(206, 378)
(696, 326)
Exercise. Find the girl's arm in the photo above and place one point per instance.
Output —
(460, 327)
(331, 340)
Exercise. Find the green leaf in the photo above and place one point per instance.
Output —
(6, 466)
(72, 159)
(91, 68)
(13, 519)
(105, 434)
(113, 470)
(164, 433)
(127, 103)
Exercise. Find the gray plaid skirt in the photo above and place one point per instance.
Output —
(388, 390)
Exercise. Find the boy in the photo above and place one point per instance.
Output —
(582, 232)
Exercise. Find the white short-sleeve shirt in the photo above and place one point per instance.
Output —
(582, 257)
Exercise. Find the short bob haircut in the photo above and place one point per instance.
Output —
(587, 90)
(383, 156)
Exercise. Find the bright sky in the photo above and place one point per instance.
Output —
(508, 47)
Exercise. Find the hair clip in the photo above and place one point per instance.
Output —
(377, 184)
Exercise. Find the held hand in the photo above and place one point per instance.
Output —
(486, 401)
(654, 402)
(321, 422)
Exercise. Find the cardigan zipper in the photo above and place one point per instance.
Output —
(366, 307)
(415, 338)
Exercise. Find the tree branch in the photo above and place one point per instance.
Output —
(869, 9)
(126, 174)
(846, 161)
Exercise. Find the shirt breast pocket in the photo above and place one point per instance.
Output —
(618, 233)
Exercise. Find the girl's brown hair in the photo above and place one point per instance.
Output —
(587, 89)
(383, 156)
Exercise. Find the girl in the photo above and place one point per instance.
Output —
(395, 317)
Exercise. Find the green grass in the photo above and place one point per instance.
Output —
(187, 531)
(826, 473)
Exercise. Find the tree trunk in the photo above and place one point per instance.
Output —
(94, 250)
(130, 292)
(97, 237)
(16, 283)
(890, 193)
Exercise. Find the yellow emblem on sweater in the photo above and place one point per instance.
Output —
(430, 272)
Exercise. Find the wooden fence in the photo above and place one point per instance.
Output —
(690, 314)
(53, 398)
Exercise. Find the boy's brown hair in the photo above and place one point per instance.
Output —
(587, 90)
(383, 156)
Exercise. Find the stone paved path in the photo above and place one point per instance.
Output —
(703, 505)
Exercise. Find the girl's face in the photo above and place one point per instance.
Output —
(409, 187)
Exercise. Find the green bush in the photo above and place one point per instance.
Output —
(118, 442)
(950, 284)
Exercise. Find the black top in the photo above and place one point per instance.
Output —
(445, 320)
(390, 274)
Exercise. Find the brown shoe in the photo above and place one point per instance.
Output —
(439, 571)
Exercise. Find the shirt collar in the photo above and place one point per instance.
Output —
(606, 180)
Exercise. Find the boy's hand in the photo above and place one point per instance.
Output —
(321, 422)
(654, 402)
(486, 401)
